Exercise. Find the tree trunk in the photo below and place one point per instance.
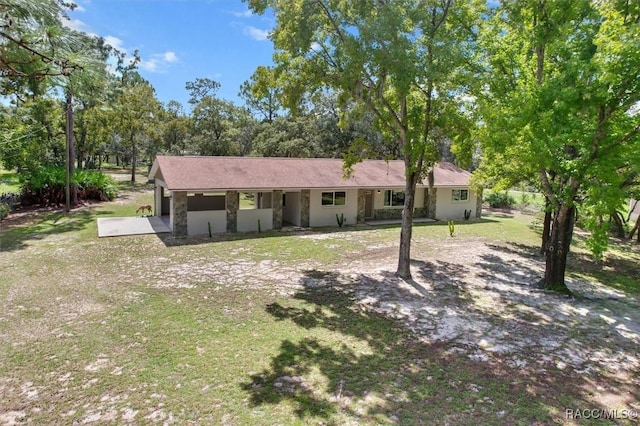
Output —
(404, 258)
(557, 249)
(546, 226)
(618, 228)
(133, 159)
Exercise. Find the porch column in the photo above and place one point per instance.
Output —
(361, 205)
(479, 203)
(179, 213)
(276, 205)
(305, 207)
(157, 200)
(233, 203)
(430, 202)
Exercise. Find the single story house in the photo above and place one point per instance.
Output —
(240, 194)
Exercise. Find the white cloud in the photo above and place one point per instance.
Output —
(158, 62)
(244, 14)
(170, 57)
(150, 65)
(256, 33)
(115, 42)
(76, 25)
(79, 8)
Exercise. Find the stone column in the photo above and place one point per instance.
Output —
(179, 210)
(431, 206)
(479, 203)
(232, 203)
(305, 207)
(361, 205)
(276, 205)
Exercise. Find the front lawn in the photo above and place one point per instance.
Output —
(307, 327)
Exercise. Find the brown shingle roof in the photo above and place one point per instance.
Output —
(265, 173)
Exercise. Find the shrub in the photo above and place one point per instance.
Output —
(4, 210)
(95, 185)
(46, 186)
(501, 200)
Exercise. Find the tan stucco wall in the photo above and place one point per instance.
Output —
(197, 222)
(248, 220)
(446, 209)
(326, 215)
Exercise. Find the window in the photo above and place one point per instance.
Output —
(284, 200)
(459, 195)
(393, 198)
(334, 198)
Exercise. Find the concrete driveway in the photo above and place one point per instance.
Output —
(120, 226)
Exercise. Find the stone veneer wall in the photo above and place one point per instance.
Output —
(179, 209)
(233, 203)
(361, 205)
(305, 207)
(385, 214)
(431, 203)
(277, 209)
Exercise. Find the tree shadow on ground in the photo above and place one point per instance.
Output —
(17, 233)
(512, 271)
(353, 363)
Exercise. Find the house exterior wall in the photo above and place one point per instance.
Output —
(291, 209)
(277, 209)
(320, 215)
(380, 211)
(248, 220)
(198, 222)
(232, 201)
(636, 212)
(178, 217)
(447, 209)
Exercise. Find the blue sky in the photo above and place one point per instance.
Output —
(181, 40)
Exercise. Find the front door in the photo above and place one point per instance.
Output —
(368, 205)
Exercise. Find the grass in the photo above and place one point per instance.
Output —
(525, 201)
(9, 181)
(146, 329)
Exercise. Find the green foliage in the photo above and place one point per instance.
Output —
(46, 186)
(501, 200)
(560, 108)
(452, 227)
(340, 219)
(95, 185)
(406, 63)
(4, 210)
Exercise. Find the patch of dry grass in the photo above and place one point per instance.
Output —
(298, 328)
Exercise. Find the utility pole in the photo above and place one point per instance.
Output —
(69, 131)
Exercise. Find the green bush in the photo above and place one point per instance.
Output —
(46, 186)
(4, 210)
(500, 200)
(95, 185)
